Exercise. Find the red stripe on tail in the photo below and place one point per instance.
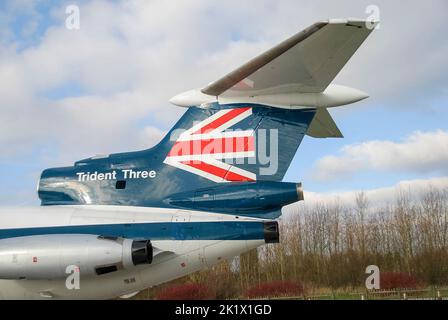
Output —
(221, 120)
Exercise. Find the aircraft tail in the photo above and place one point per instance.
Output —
(236, 142)
(237, 138)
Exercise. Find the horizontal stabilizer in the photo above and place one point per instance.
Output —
(305, 63)
(323, 126)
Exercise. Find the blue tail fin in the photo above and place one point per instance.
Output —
(206, 148)
(236, 143)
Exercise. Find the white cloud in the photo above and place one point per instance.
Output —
(422, 152)
(127, 60)
(376, 197)
(149, 136)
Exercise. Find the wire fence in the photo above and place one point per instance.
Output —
(398, 294)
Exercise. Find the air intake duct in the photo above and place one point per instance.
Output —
(141, 252)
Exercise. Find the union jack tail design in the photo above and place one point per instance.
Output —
(204, 148)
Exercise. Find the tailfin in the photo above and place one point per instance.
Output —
(208, 147)
(237, 142)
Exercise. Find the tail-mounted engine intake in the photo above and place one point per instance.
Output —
(49, 256)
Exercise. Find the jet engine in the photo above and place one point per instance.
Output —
(242, 198)
(49, 256)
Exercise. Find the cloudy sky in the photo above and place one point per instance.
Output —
(69, 94)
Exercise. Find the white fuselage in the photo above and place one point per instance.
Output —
(184, 256)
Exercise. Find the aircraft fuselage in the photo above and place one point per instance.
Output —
(189, 241)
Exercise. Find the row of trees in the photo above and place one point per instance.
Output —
(329, 246)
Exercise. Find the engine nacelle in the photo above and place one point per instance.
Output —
(48, 256)
(244, 198)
